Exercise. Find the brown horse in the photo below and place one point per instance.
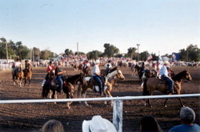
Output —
(27, 74)
(17, 74)
(114, 75)
(153, 84)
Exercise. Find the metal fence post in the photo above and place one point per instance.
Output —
(118, 114)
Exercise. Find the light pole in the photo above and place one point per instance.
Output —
(7, 52)
(138, 45)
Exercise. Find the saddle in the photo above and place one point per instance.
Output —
(54, 82)
(94, 83)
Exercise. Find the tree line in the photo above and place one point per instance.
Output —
(13, 50)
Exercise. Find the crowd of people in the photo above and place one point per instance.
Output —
(148, 123)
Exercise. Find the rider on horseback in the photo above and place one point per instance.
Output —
(16, 65)
(97, 77)
(108, 67)
(49, 68)
(27, 65)
(165, 75)
(85, 65)
(59, 76)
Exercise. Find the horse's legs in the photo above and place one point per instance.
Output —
(24, 81)
(181, 103)
(54, 95)
(79, 91)
(165, 103)
(29, 81)
(70, 95)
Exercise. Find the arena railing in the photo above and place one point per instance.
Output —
(117, 107)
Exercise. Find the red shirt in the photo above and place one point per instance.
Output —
(50, 68)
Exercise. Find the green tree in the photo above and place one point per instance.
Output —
(94, 54)
(68, 52)
(144, 55)
(131, 52)
(110, 50)
(36, 53)
(46, 54)
(192, 52)
(79, 53)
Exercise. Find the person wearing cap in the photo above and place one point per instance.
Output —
(97, 77)
(98, 124)
(108, 67)
(165, 75)
(49, 68)
(187, 116)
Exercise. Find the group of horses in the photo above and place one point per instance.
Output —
(82, 81)
(19, 75)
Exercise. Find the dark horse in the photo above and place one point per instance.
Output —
(27, 74)
(17, 74)
(152, 84)
(138, 70)
(51, 86)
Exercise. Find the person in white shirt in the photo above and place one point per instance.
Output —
(17, 65)
(97, 77)
(165, 75)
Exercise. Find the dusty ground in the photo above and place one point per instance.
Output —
(31, 117)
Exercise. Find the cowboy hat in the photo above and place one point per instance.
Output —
(98, 124)
(97, 62)
(166, 62)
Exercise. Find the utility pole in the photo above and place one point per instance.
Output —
(77, 49)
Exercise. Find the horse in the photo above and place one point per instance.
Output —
(17, 74)
(152, 84)
(109, 80)
(137, 70)
(51, 86)
(86, 71)
(27, 75)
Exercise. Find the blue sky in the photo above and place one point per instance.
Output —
(157, 25)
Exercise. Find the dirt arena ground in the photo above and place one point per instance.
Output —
(29, 117)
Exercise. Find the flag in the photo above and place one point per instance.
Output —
(149, 57)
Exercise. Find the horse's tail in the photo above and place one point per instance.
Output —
(145, 90)
(45, 91)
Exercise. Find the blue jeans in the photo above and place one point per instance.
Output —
(60, 83)
(170, 82)
(99, 82)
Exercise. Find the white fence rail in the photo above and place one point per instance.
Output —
(117, 108)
